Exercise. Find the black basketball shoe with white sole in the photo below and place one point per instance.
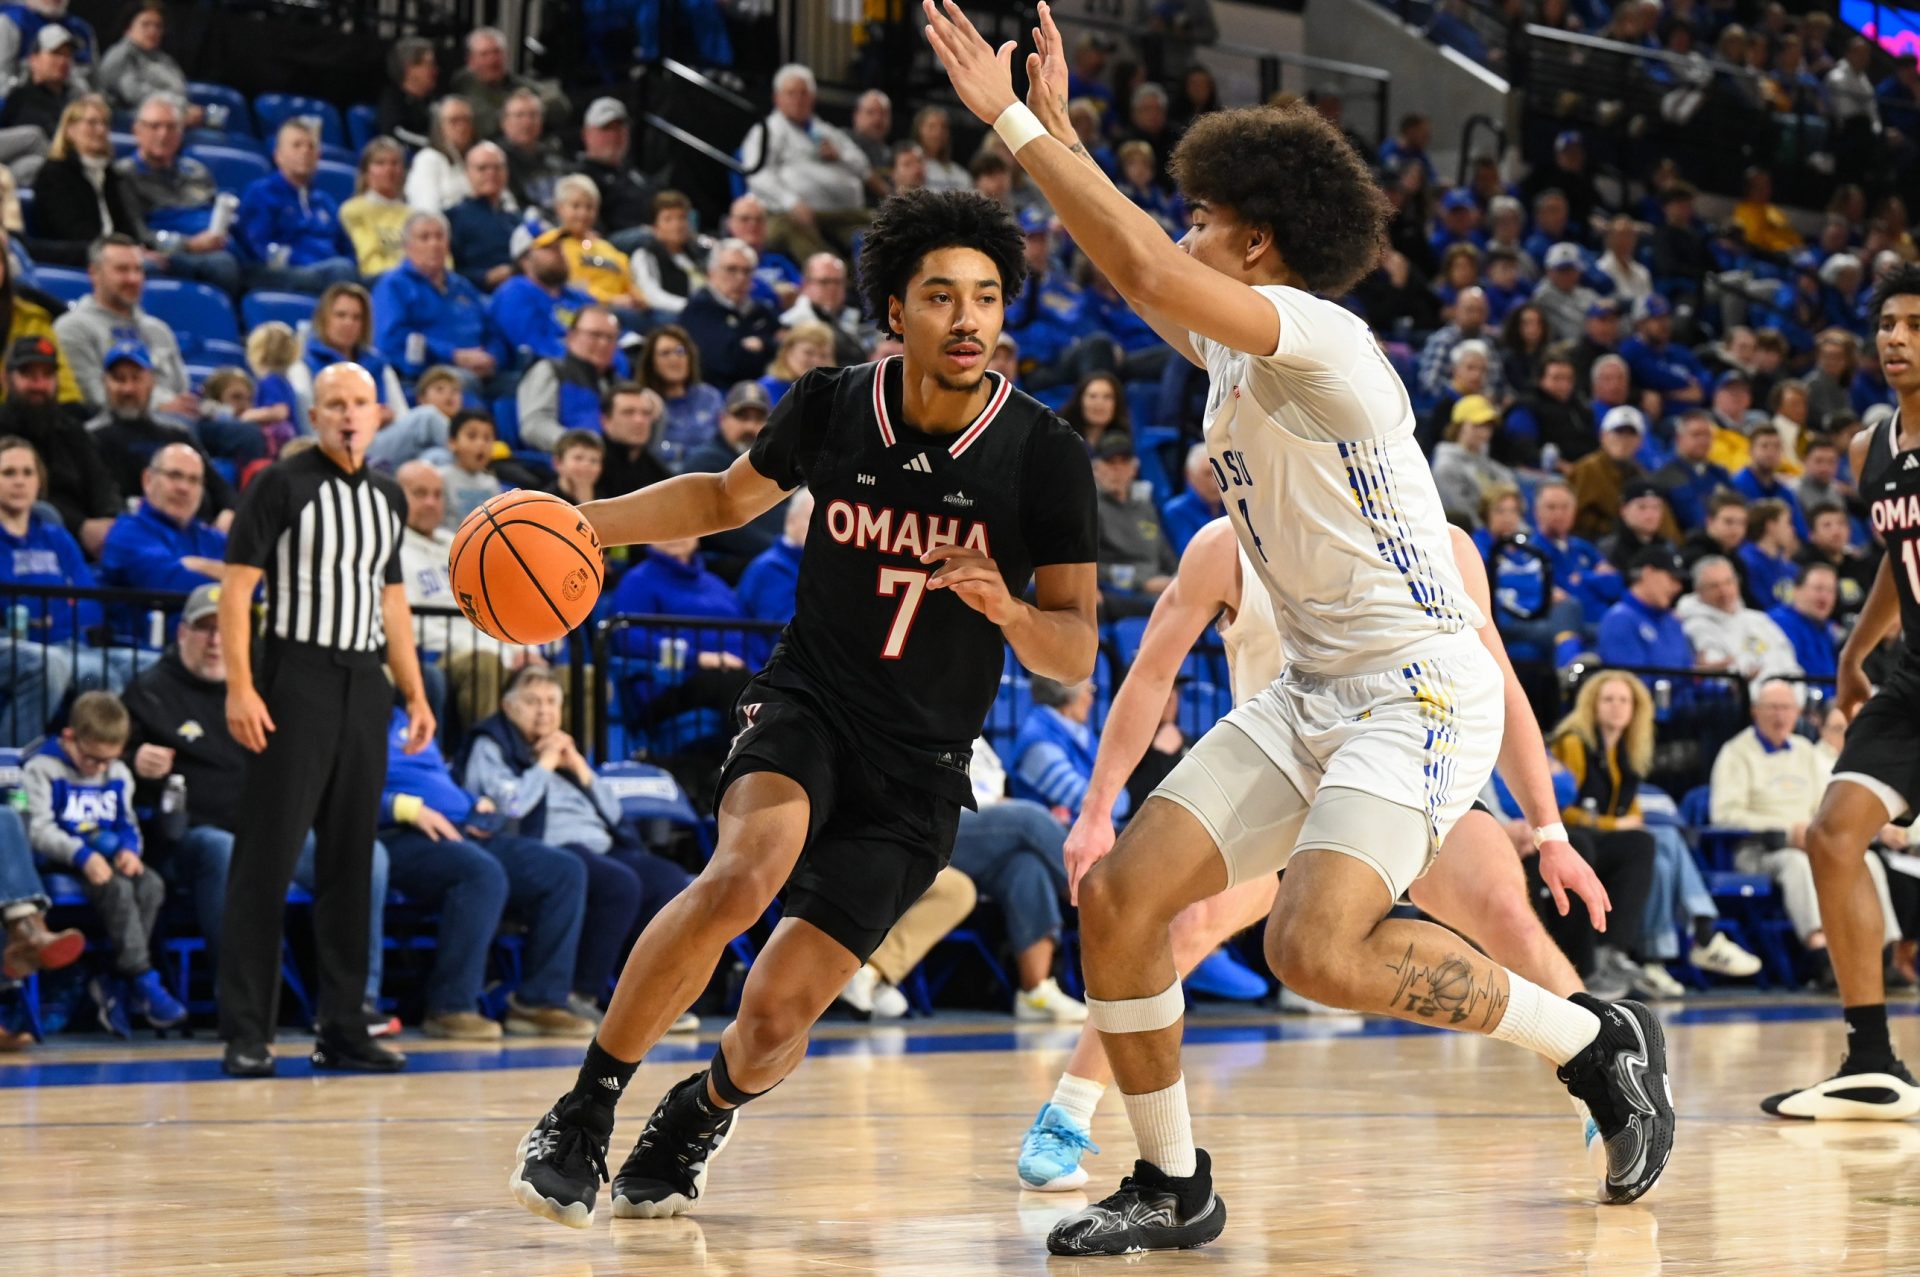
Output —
(1151, 1211)
(562, 1162)
(1861, 1092)
(667, 1169)
(1621, 1077)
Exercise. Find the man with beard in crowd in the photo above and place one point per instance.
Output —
(78, 483)
(533, 309)
(128, 436)
(1551, 415)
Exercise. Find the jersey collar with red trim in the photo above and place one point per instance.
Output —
(1002, 392)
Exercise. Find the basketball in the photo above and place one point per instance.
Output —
(526, 567)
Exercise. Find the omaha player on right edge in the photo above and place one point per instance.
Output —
(1877, 776)
(1352, 769)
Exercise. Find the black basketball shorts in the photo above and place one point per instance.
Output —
(1883, 743)
(874, 843)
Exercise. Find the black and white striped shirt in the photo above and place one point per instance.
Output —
(328, 542)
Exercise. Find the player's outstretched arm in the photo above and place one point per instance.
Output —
(688, 505)
(1129, 247)
(1204, 585)
(1523, 755)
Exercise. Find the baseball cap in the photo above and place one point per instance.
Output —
(53, 36)
(1034, 221)
(1652, 306)
(1473, 409)
(1659, 556)
(604, 111)
(1637, 488)
(1732, 376)
(1457, 198)
(1624, 417)
(28, 351)
(1564, 254)
(1567, 138)
(748, 396)
(202, 603)
(127, 350)
(1605, 308)
(1115, 443)
(1006, 341)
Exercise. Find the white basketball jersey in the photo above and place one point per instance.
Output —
(1252, 639)
(1332, 500)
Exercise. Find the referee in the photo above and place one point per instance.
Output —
(312, 705)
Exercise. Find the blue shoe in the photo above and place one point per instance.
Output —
(148, 998)
(1221, 975)
(110, 997)
(1050, 1154)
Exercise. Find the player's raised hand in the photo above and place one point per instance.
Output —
(982, 77)
(1047, 75)
(1565, 870)
(976, 578)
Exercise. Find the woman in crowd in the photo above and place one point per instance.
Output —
(1099, 404)
(342, 332)
(438, 179)
(77, 196)
(670, 367)
(378, 211)
(137, 67)
(1524, 339)
(804, 347)
(593, 263)
(933, 130)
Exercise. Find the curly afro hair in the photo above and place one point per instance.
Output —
(912, 224)
(1287, 169)
(1901, 281)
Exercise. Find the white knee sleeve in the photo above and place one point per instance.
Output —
(1138, 1015)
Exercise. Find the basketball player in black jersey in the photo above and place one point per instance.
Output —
(1877, 777)
(939, 493)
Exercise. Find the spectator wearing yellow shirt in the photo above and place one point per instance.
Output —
(593, 263)
(1763, 222)
(376, 216)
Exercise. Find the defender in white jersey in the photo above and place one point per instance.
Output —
(1352, 768)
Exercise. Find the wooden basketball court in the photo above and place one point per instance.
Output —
(1341, 1146)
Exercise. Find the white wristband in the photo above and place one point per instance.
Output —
(1018, 126)
(1556, 832)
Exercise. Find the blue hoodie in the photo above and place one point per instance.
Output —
(405, 302)
(767, 589)
(424, 775)
(1185, 515)
(1048, 316)
(1770, 579)
(1051, 762)
(1665, 368)
(144, 549)
(1813, 644)
(529, 318)
(1754, 488)
(321, 357)
(275, 211)
(1631, 633)
(71, 818)
(48, 555)
(1575, 570)
(665, 586)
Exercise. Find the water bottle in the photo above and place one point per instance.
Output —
(156, 629)
(279, 255)
(1550, 456)
(217, 115)
(225, 205)
(19, 619)
(17, 799)
(173, 809)
(1662, 694)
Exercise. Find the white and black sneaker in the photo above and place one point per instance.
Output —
(667, 1169)
(1621, 1077)
(1871, 1093)
(1151, 1211)
(562, 1162)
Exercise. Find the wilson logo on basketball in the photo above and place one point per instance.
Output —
(574, 585)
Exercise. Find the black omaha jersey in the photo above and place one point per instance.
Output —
(907, 672)
(1890, 484)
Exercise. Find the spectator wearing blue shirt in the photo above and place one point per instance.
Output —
(1552, 225)
(1138, 172)
(289, 231)
(1409, 146)
(1768, 554)
(481, 227)
(35, 550)
(1808, 620)
(1052, 318)
(1761, 480)
(683, 667)
(1656, 362)
(341, 332)
(1578, 566)
(163, 545)
(425, 314)
(1051, 761)
(127, 435)
(1641, 629)
(1195, 508)
(1459, 223)
(1689, 480)
(768, 586)
(176, 194)
(1088, 79)
(533, 310)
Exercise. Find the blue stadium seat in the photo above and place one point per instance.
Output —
(273, 109)
(363, 125)
(220, 351)
(233, 169)
(291, 309)
(225, 137)
(239, 114)
(63, 282)
(197, 375)
(123, 144)
(336, 179)
(650, 794)
(197, 313)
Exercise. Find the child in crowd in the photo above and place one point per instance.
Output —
(80, 817)
(421, 431)
(470, 483)
(272, 348)
(230, 393)
(578, 459)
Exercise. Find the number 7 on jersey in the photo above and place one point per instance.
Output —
(911, 585)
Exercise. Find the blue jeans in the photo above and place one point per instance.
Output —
(625, 888)
(416, 433)
(472, 883)
(35, 677)
(219, 268)
(19, 881)
(314, 277)
(237, 441)
(1013, 851)
(198, 865)
(1678, 895)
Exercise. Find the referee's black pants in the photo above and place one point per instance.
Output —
(323, 769)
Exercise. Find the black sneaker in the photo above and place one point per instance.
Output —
(667, 1169)
(1864, 1092)
(355, 1055)
(562, 1161)
(247, 1059)
(1151, 1211)
(1621, 1077)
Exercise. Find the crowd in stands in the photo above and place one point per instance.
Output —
(1658, 476)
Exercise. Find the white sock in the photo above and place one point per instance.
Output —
(1162, 1128)
(1545, 1024)
(1078, 1097)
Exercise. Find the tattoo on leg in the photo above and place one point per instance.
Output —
(1450, 989)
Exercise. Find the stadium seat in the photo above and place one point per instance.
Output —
(274, 109)
(650, 796)
(233, 169)
(239, 114)
(225, 137)
(123, 144)
(291, 309)
(67, 284)
(336, 179)
(197, 313)
(218, 350)
(363, 125)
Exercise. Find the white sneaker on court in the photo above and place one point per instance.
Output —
(888, 1002)
(1047, 1001)
(1723, 957)
(859, 991)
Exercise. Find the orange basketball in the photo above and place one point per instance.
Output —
(526, 567)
